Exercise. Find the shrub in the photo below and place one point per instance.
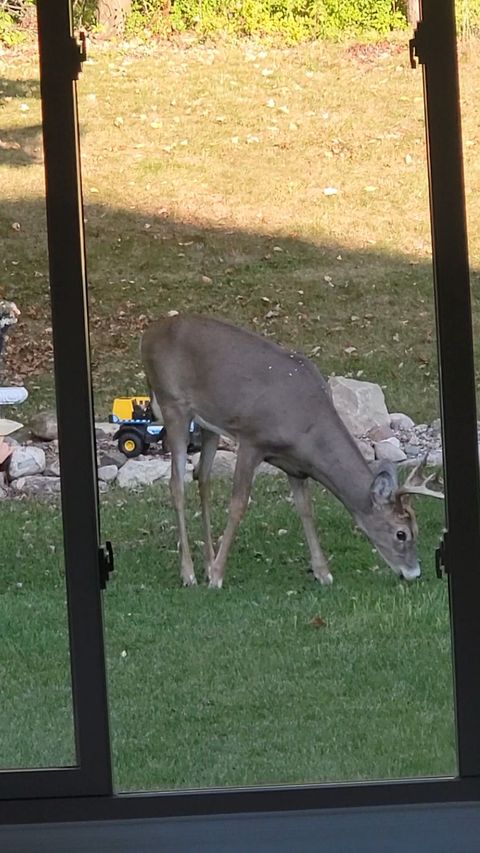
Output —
(294, 19)
(10, 34)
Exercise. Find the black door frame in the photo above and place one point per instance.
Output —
(59, 64)
(435, 46)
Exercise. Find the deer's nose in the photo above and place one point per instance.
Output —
(412, 574)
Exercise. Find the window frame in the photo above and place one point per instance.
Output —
(31, 796)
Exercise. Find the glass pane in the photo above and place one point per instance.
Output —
(36, 712)
(286, 190)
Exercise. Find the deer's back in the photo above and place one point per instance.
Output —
(232, 377)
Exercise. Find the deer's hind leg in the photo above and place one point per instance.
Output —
(177, 423)
(202, 475)
(319, 562)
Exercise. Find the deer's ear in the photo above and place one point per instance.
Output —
(384, 485)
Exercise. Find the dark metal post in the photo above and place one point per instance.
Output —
(59, 66)
(435, 46)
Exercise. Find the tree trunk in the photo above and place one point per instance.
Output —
(413, 12)
(112, 14)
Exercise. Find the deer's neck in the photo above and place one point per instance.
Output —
(336, 461)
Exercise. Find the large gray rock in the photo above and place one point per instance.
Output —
(143, 472)
(37, 485)
(44, 425)
(361, 405)
(400, 421)
(107, 473)
(26, 461)
(112, 457)
(223, 464)
(225, 461)
(389, 450)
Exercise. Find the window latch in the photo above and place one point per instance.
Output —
(106, 564)
(441, 562)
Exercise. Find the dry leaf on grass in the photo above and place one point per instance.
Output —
(317, 622)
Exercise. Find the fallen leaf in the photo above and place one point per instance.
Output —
(317, 622)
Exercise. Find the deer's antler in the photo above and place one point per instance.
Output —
(417, 484)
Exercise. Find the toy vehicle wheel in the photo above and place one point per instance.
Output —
(131, 444)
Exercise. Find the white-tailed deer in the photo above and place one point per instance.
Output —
(278, 407)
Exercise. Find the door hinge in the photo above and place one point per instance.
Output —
(418, 45)
(441, 560)
(106, 564)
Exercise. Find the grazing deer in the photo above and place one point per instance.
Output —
(278, 407)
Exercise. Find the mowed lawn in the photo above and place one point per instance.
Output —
(283, 188)
(274, 679)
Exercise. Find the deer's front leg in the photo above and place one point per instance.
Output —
(202, 475)
(301, 496)
(247, 460)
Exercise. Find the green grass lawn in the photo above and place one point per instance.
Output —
(272, 680)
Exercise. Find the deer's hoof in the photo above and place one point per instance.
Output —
(215, 583)
(189, 580)
(326, 580)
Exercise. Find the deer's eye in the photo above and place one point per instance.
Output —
(401, 535)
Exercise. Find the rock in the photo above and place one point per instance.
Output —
(112, 457)
(361, 405)
(389, 450)
(107, 473)
(436, 426)
(223, 464)
(23, 435)
(105, 429)
(37, 485)
(380, 433)
(26, 461)
(44, 425)
(412, 450)
(8, 426)
(266, 468)
(52, 467)
(12, 442)
(227, 443)
(435, 457)
(366, 449)
(400, 421)
(143, 472)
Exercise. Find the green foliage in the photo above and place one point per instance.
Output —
(294, 19)
(10, 34)
(85, 13)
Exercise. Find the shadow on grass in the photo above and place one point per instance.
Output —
(364, 313)
(21, 146)
(18, 89)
